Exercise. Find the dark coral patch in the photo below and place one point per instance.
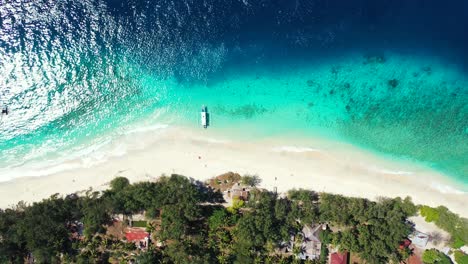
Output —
(393, 83)
(427, 69)
(374, 59)
(247, 111)
(334, 70)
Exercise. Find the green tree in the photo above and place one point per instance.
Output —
(149, 257)
(285, 221)
(374, 230)
(251, 180)
(236, 205)
(119, 184)
(257, 228)
(429, 213)
(219, 236)
(219, 219)
(407, 206)
(341, 210)
(306, 205)
(143, 196)
(45, 230)
(460, 257)
(186, 252)
(193, 230)
(12, 242)
(95, 214)
(174, 224)
(448, 221)
(433, 256)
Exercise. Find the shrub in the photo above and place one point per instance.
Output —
(429, 213)
(460, 257)
(457, 242)
(251, 180)
(236, 205)
(433, 256)
(455, 225)
(119, 183)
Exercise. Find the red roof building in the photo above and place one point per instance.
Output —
(405, 243)
(339, 258)
(136, 234)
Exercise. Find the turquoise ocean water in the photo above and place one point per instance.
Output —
(76, 76)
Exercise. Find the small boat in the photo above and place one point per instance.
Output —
(4, 102)
(205, 119)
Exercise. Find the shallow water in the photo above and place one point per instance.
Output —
(389, 77)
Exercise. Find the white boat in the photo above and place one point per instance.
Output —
(3, 102)
(204, 117)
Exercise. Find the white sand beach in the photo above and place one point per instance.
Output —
(315, 164)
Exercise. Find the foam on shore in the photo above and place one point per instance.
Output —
(295, 149)
(91, 154)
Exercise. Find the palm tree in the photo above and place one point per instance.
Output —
(297, 246)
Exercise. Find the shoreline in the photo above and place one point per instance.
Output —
(317, 164)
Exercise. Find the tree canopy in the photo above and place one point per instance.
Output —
(190, 225)
(433, 256)
(448, 221)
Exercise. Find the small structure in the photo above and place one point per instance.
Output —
(224, 181)
(205, 117)
(76, 229)
(4, 101)
(237, 191)
(339, 258)
(139, 236)
(405, 244)
(419, 239)
(311, 243)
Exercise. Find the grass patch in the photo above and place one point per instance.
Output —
(139, 223)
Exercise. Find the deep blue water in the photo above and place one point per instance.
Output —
(74, 72)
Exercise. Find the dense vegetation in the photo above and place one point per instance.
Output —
(433, 256)
(456, 226)
(191, 226)
(460, 257)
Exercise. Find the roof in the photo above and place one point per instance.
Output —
(136, 234)
(311, 244)
(419, 239)
(339, 258)
(312, 233)
(405, 243)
